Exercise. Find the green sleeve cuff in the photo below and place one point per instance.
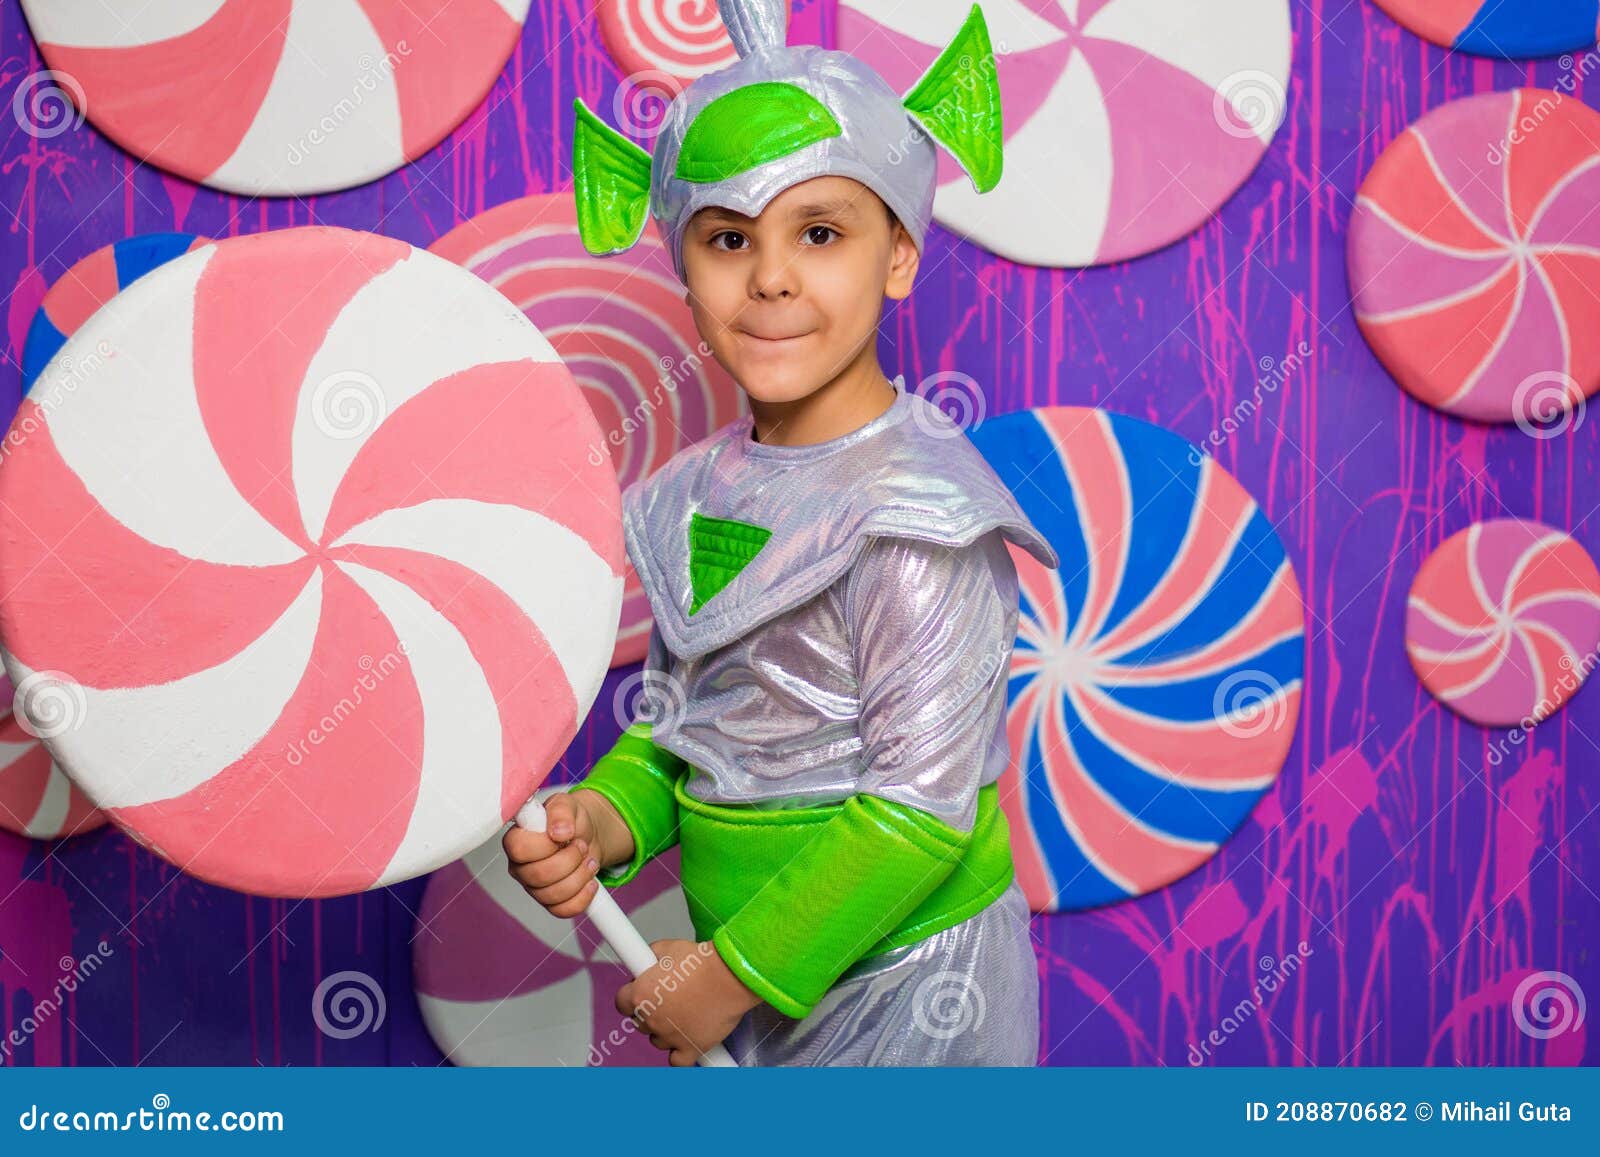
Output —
(637, 777)
(865, 871)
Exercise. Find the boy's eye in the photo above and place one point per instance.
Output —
(727, 239)
(820, 234)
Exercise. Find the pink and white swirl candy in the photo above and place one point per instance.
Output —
(317, 548)
(1474, 253)
(36, 799)
(683, 39)
(1128, 123)
(621, 326)
(277, 96)
(1503, 622)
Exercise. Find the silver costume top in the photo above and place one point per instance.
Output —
(865, 648)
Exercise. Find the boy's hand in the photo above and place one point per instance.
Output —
(558, 865)
(688, 1001)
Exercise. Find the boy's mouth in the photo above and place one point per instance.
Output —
(776, 338)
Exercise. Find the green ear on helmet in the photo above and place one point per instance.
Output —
(958, 102)
(611, 184)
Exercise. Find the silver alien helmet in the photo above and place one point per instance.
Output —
(738, 137)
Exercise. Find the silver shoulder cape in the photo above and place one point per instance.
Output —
(911, 472)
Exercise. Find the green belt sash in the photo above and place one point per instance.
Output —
(730, 853)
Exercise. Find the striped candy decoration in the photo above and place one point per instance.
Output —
(1473, 254)
(621, 326)
(277, 97)
(500, 981)
(1155, 683)
(1503, 622)
(316, 557)
(1515, 29)
(1128, 122)
(682, 39)
(89, 284)
(36, 799)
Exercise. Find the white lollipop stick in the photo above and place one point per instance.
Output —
(631, 948)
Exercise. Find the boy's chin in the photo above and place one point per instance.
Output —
(776, 385)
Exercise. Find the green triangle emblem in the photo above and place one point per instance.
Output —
(719, 548)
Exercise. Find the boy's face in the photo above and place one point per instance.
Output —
(788, 299)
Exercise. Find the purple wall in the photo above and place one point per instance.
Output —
(1426, 883)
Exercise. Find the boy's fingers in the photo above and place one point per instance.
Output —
(554, 868)
(525, 847)
(561, 817)
(561, 891)
(579, 903)
(556, 879)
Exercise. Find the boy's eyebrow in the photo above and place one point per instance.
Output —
(718, 213)
(839, 207)
(833, 207)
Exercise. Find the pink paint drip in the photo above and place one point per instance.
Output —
(36, 941)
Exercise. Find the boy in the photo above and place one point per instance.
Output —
(834, 601)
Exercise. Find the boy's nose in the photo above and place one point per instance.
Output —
(774, 276)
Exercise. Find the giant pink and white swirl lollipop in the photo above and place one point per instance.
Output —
(308, 540)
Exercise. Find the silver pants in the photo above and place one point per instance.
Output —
(968, 995)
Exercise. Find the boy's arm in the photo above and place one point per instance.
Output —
(636, 777)
(932, 630)
(864, 872)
